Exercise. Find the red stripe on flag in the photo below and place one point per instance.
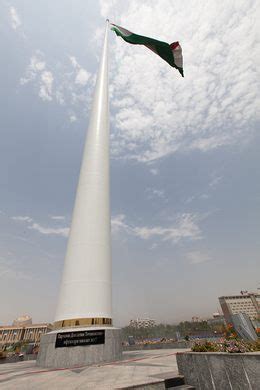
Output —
(174, 45)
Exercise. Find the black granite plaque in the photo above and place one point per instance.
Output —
(78, 338)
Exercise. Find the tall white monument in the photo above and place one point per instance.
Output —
(85, 292)
(83, 325)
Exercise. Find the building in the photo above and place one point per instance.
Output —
(23, 333)
(23, 320)
(248, 303)
(196, 319)
(216, 320)
(142, 323)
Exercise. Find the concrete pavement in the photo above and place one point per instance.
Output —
(137, 367)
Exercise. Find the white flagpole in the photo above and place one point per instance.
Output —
(86, 287)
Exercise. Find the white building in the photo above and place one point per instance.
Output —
(23, 333)
(248, 303)
(142, 323)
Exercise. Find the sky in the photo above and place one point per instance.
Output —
(185, 152)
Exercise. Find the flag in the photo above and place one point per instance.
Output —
(171, 53)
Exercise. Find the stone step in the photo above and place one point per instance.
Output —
(174, 382)
(182, 387)
(171, 379)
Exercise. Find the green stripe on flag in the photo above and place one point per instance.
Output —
(163, 49)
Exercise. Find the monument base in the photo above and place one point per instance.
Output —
(72, 347)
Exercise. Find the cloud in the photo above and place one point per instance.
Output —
(74, 62)
(9, 269)
(14, 18)
(46, 230)
(36, 71)
(118, 224)
(154, 171)
(204, 196)
(155, 193)
(60, 97)
(73, 118)
(156, 112)
(22, 219)
(61, 231)
(153, 246)
(185, 227)
(105, 7)
(35, 66)
(45, 91)
(82, 77)
(58, 217)
(189, 199)
(198, 257)
(215, 181)
(61, 83)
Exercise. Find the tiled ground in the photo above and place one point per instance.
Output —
(135, 368)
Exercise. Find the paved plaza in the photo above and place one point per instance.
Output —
(137, 367)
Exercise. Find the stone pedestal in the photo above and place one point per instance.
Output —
(73, 356)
